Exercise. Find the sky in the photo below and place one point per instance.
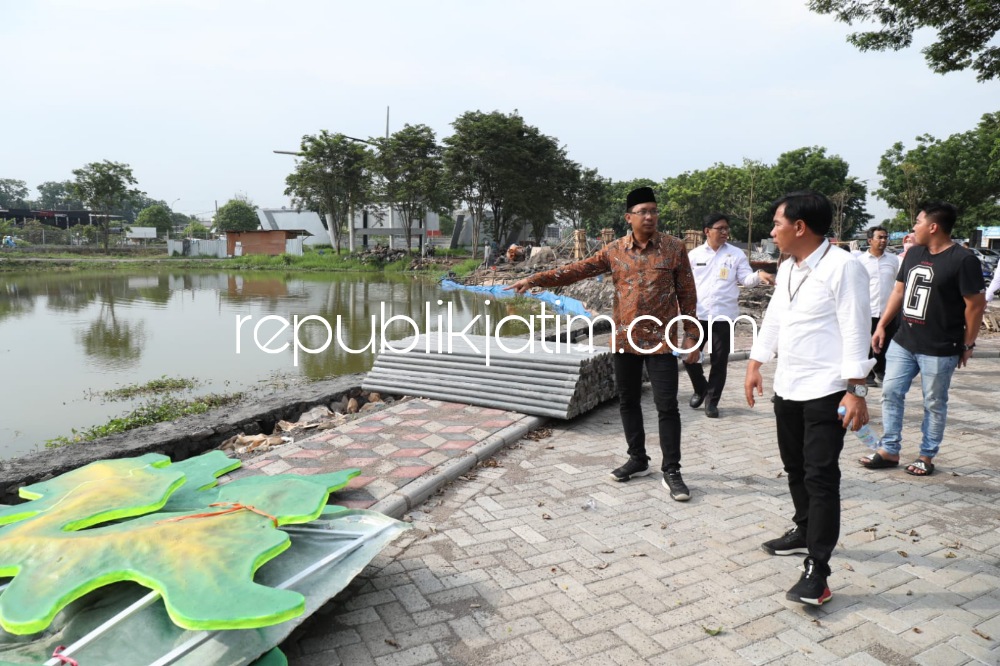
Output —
(195, 95)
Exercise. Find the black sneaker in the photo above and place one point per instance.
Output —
(792, 542)
(673, 482)
(811, 588)
(632, 467)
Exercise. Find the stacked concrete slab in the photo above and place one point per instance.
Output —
(557, 381)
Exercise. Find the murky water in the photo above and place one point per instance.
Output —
(65, 338)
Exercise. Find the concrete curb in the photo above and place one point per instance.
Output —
(417, 491)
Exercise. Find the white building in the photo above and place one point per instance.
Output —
(463, 230)
(989, 237)
(370, 226)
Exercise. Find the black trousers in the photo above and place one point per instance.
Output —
(721, 341)
(810, 439)
(662, 370)
(890, 330)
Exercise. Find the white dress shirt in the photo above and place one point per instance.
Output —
(994, 285)
(717, 274)
(882, 278)
(818, 323)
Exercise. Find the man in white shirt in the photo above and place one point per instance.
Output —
(719, 269)
(994, 285)
(817, 322)
(882, 269)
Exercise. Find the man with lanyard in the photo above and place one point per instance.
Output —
(653, 286)
(882, 269)
(817, 322)
(940, 292)
(718, 269)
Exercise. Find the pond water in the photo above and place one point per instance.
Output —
(67, 337)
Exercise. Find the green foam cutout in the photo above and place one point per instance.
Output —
(152, 522)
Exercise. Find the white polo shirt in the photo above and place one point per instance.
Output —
(818, 323)
(717, 276)
(881, 278)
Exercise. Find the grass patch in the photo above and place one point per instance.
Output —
(156, 411)
(314, 259)
(162, 385)
(463, 268)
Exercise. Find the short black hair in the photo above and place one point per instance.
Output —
(811, 207)
(941, 213)
(712, 218)
(872, 230)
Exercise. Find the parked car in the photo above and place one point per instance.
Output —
(987, 259)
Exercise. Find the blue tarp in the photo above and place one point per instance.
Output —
(561, 304)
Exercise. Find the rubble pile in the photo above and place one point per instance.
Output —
(321, 417)
(380, 254)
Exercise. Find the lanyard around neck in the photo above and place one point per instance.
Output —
(792, 294)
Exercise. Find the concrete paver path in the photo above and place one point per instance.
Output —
(511, 565)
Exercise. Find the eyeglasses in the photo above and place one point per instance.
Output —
(721, 230)
(652, 212)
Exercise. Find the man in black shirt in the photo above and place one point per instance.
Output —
(939, 289)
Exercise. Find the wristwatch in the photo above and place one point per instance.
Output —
(969, 347)
(860, 390)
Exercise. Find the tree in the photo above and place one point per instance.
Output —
(332, 178)
(500, 161)
(965, 30)
(903, 184)
(809, 169)
(54, 195)
(13, 193)
(237, 214)
(963, 169)
(104, 187)
(466, 173)
(849, 214)
(722, 188)
(757, 180)
(131, 206)
(155, 216)
(585, 197)
(180, 220)
(195, 229)
(812, 169)
(410, 173)
(545, 185)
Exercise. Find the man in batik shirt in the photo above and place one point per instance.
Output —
(653, 286)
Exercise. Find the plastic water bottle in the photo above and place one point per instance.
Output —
(864, 434)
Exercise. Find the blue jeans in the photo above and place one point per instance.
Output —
(901, 367)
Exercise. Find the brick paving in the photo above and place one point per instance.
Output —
(509, 564)
(409, 441)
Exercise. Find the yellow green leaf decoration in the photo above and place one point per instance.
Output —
(165, 526)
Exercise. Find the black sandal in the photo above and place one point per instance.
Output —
(875, 461)
(925, 468)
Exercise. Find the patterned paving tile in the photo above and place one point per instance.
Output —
(391, 447)
(410, 453)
